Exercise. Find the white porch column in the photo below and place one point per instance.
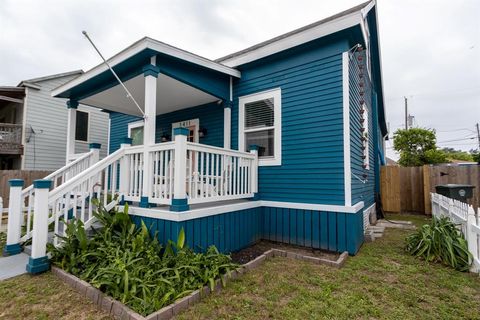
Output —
(72, 106)
(227, 125)
(254, 151)
(38, 261)
(179, 201)
(124, 170)
(14, 218)
(151, 73)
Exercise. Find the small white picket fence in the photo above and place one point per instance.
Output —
(465, 217)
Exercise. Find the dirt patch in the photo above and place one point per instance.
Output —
(249, 253)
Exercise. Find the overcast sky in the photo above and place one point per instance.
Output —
(430, 49)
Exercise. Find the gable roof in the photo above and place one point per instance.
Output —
(321, 28)
(32, 83)
(142, 45)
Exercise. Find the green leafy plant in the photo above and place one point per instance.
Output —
(440, 241)
(129, 264)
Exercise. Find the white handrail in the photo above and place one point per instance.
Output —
(89, 173)
(61, 170)
(207, 148)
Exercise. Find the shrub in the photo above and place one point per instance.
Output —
(130, 265)
(440, 241)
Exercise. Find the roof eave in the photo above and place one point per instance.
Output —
(139, 46)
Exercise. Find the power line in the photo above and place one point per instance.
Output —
(453, 140)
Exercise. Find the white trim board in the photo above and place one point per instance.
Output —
(165, 214)
(137, 47)
(346, 131)
(296, 39)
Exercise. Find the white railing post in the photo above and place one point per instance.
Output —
(38, 261)
(179, 201)
(227, 125)
(95, 149)
(124, 170)
(72, 106)
(150, 72)
(15, 216)
(254, 151)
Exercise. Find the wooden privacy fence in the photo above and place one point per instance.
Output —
(407, 189)
(27, 175)
(464, 216)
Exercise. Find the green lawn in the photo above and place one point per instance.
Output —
(381, 282)
(44, 297)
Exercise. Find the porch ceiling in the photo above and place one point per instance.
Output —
(171, 95)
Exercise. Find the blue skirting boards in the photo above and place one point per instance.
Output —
(232, 231)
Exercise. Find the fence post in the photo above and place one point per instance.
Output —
(471, 237)
(1, 213)
(426, 189)
(124, 170)
(180, 201)
(38, 261)
(15, 216)
(254, 151)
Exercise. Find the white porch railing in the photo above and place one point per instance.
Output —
(211, 173)
(215, 174)
(178, 169)
(73, 199)
(58, 178)
(464, 216)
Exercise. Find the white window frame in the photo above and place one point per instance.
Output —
(88, 127)
(276, 94)
(133, 125)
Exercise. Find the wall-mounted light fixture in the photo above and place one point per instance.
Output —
(202, 132)
(166, 137)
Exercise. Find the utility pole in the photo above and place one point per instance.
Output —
(478, 135)
(406, 113)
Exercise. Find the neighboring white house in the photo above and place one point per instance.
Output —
(33, 125)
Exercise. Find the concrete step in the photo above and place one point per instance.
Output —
(387, 224)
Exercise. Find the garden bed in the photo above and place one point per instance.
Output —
(249, 253)
(120, 311)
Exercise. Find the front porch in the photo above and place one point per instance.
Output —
(169, 102)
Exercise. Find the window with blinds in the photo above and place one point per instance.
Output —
(260, 125)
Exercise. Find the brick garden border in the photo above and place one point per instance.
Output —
(120, 311)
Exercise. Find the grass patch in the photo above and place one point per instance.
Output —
(382, 281)
(44, 297)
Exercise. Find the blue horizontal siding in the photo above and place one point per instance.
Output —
(310, 78)
(210, 117)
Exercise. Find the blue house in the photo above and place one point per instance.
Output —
(280, 141)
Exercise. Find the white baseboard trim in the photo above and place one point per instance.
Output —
(312, 206)
(164, 214)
